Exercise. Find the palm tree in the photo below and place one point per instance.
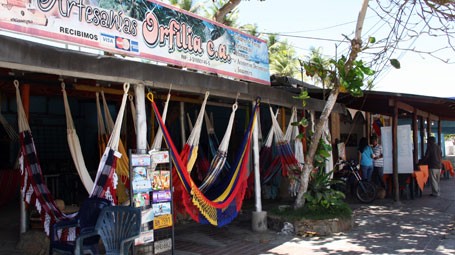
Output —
(250, 29)
(320, 66)
(282, 58)
(187, 5)
(223, 11)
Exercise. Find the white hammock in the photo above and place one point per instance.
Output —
(291, 134)
(75, 146)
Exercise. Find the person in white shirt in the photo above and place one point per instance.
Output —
(378, 162)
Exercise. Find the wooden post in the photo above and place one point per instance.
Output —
(439, 132)
(428, 126)
(422, 137)
(415, 153)
(283, 119)
(368, 125)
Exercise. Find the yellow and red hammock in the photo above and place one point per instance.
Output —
(220, 204)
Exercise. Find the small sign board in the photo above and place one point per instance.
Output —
(159, 157)
(163, 245)
(145, 237)
(162, 221)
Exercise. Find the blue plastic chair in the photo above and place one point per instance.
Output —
(117, 226)
(85, 221)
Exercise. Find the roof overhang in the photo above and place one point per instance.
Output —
(377, 102)
(28, 59)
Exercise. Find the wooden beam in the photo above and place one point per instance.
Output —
(403, 106)
(90, 88)
(411, 109)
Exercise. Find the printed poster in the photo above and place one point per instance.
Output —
(140, 160)
(147, 215)
(141, 182)
(161, 196)
(159, 157)
(161, 208)
(161, 180)
(145, 237)
(141, 199)
(404, 150)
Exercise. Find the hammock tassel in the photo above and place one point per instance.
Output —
(208, 211)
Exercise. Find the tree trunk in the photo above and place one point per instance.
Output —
(223, 11)
(356, 45)
(308, 167)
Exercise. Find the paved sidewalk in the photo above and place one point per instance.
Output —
(423, 225)
(420, 226)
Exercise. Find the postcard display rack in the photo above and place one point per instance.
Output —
(151, 191)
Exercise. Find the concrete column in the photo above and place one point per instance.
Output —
(141, 135)
(259, 217)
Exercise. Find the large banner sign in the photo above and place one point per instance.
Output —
(145, 29)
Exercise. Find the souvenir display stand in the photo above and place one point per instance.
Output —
(151, 191)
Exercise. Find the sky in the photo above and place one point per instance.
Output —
(330, 19)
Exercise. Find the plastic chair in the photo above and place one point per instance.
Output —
(85, 221)
(117, 226)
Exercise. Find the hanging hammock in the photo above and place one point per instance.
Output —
(268, 164)
(190, 149)
(290, 165)
(158, 140)
(108, 163)
(214, 142)
(219, 160)
(202, 163)
(122, 169)
(221, 210)
(75, 146)
(33, 188)
(188, 154)
(291, 136)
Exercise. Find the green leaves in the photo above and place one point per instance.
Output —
(302, 96)
(371, 39)
(320, 194)
(303, 122)
(395, 63)
(354, 79)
